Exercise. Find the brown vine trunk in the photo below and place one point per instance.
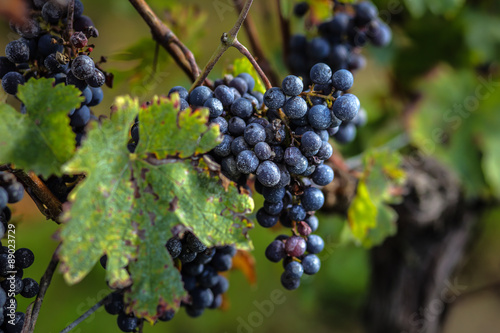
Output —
(412, 284)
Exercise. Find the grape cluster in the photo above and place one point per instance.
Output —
(12, 263)
(281, 138)
(199, 266)
(200, 273)
(44, 50)
(115, 305)
(339, 39)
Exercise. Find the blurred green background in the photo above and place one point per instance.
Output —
(439, 52)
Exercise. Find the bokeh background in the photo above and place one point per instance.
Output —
(439, 51)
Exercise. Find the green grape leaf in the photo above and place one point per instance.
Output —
(129, 205)
(386, 226)
(370, 218)
(243, 65)
(417, 8)
(491, 161)
(362, 214)
(187, 130)
(40, 140)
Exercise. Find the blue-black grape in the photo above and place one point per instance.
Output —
(311, 264)
(238, 145)
(323, 175)
(319, 116)
(236, 126)
(199, 96)
(274, 195)
(268, 173)
(274, 98)
(239, 84)
(295, 107)
(292, 85)
(342, 80)
(183, 93)
(222, 124)
(127, 323)
(222, 262)
(273, 208)
(288, 282)
(97, 79)
(224, 94)
(266, 220)
(312, 199)
(242, 108)
(11, 82)
(214, 106)
(275, 251)
(315, 244)
(247, 162)
(321, 73)
(346, 133)
(17, 51)
(294, 270)
(254, 133)
(346, 107)
(263, 151)
(223, 149)
(83, 67)
(250, 81)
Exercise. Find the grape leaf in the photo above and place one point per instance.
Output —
(187, 130)
(370, 218)
(417, 8)
(129, 204)
(362, 214)
(40, 140)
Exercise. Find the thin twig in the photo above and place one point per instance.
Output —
(226, 41)
(44, 285)
(243, 50)
(163, 35)
(45, 200)
(71, 15)
(256, 46)
(243, 15)
(86, 314)
(211, 63)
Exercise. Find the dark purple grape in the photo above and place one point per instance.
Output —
(275, 251)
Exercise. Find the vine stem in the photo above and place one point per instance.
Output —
(255, 44)
(243, 50)
(285, 31)
(30, 322)
(45, 200)
(227, 40)
(86, 314)
(166, 38)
